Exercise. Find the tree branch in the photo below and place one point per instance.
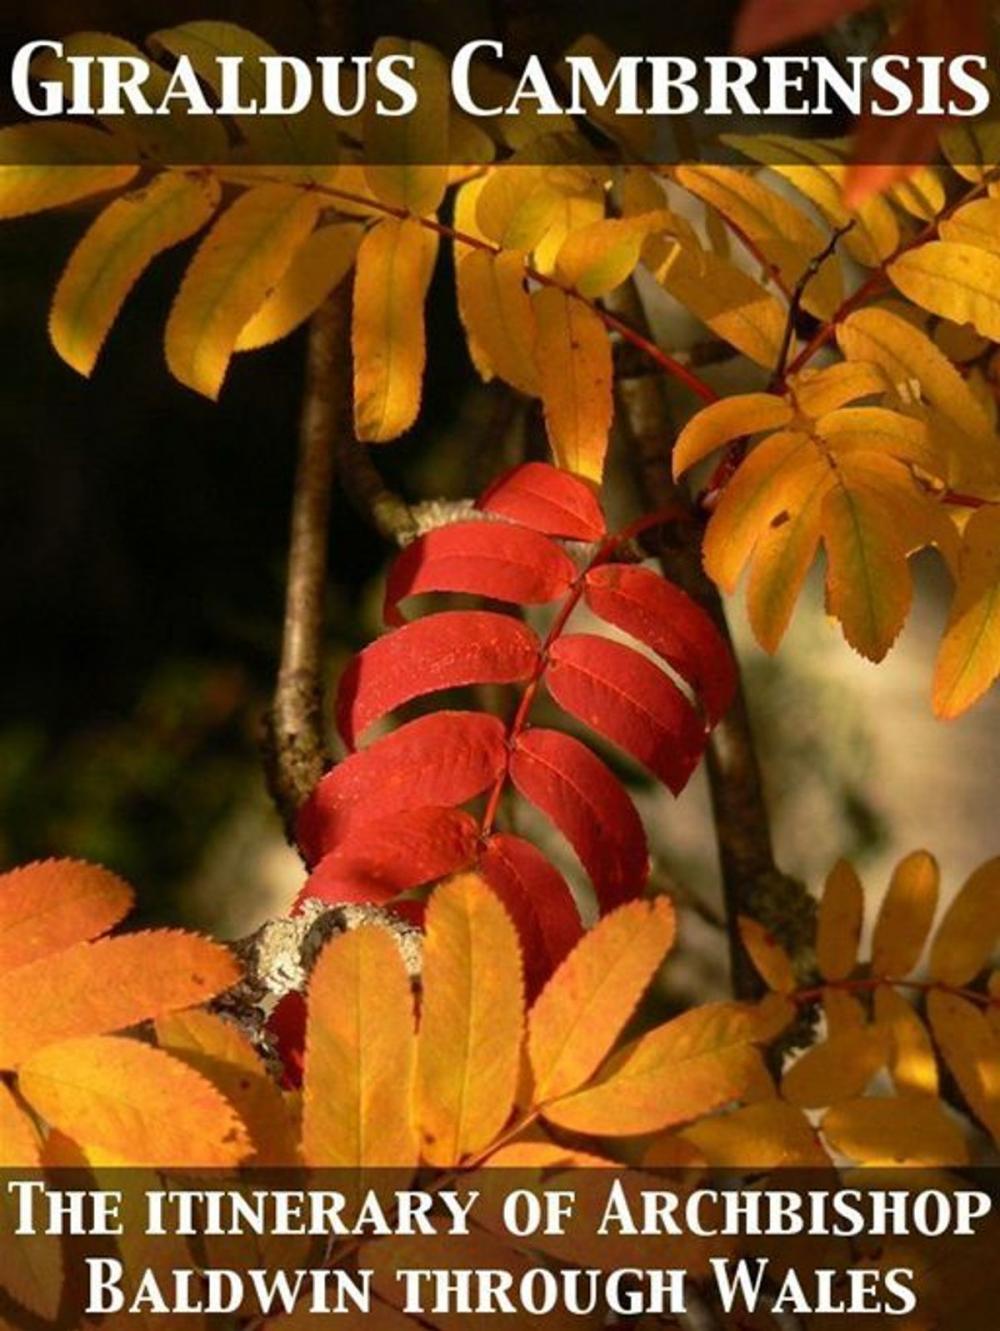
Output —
(295, 748)
(751, 881)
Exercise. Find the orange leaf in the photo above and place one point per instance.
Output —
(224, 1056)
(768, 1135)
(673, 1074)
(967, 936)
(135, 1103)
(770, 959)
(912, 1064)
(971, 1048)
(841, 914)
(96, 988)
(838, 1069)
(360, 1054)
(906, 915)
(877, 1131)
(48, 906)
(582, 1010)
(31, 1268)
(574, 364)
(471, 1022)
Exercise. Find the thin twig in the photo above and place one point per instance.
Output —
(295, 750)
(751, 881)
(361, 481)
(797, 296)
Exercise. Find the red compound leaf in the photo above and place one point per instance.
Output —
(442, 652)
(663, 617)
(548, 500)
(384, 858)
(446, 758)
(387, 820)
(494, 559)
(574, 789)
(629, 700)
(537, 899)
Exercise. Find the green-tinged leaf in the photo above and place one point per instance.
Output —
(869, 588)
(114, 254)
(27, 187)
(238, 264)
(317, 269)
(406, 156)
(584, 1007)
(387, 335)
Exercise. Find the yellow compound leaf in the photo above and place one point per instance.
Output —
(841, 915)
(134, 1102)
(95, 988)
(912, 1064)
(895, 1132)
(843, 1012)
(516, 206)
(971, 1049)
(223, 1055)
(675, 1073)
(768, 1135)
(51, 905)
(238, 264)
(360, 1055)
(317, 269)
(967, 936)
(915, 367)
(906, 915)
(579, 204)
(783, 556)
(722, 422)
(471, 1022)
(853, 430)
(781, 233)
(597, 258)
(497, 313)
(766, 487)
(574, 364)
(968, 661)
(406, 156)
(584, 1007)
(26, 187)
(31, 1269)
(977, 224)
(770, 959)
(868, 588)
(116, 251)
(387, 334)
(818, 392)
(729, 301)
(838, 1069)
(959, 282)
